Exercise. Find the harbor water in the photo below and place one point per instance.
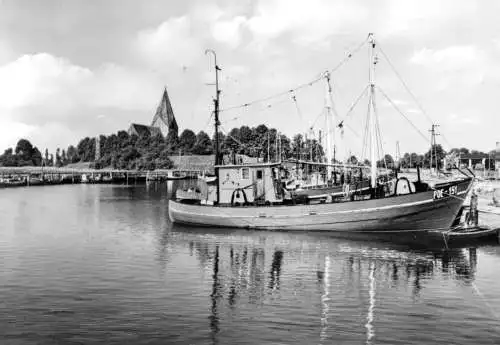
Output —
(102, 264)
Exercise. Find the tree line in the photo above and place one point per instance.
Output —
(146, 152)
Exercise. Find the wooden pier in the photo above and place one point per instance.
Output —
(31, 176)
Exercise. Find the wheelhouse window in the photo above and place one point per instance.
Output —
(245, 173)
(259, 174)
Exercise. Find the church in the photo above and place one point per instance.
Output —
(163, 120)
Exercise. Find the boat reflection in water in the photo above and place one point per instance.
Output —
(349, 288)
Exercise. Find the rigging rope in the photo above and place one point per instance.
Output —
(401, 113)
(348, 56)
(408, 90)
(229, 135)
(260, 100)
(354, 104)
(405, 85)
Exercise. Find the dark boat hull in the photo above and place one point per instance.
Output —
(405, 213)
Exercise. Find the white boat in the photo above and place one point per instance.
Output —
(176, 175)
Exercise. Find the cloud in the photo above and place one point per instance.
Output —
(11, 131)
(35, 79)
(172, 42)
(422, 17)
(229, 31)
(308, 22)
(456, 119)
(42, 93)
(450, 58)
(466, 65)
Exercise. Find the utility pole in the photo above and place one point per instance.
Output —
(433, 146)
(398, 155)
(268, 146)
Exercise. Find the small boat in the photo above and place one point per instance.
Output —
(86, 178)
(107, 178)
(209, 179)
(35, 181)
(12, 181)
(477, 232)
(176, 175)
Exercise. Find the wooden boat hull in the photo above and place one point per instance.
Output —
(411, 212)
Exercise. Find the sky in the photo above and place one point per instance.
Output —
(70, 69)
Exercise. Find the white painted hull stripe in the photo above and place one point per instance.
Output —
(312, 213)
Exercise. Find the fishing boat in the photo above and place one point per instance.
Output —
(209, 179)
(176, 175)
(12, 181)
(253, 196)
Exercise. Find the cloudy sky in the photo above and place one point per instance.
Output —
(70, 69)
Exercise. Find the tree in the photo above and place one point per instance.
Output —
(387, 161)
(72, 154)
(245, 134)
(438, 153)
(297, 146)
(286, 148)
(405, 161)
(8, 158)
(58, 157)
(36, 157)
(352, 160)
(172, 141)
(203, 144)
(232, 140)
(187, 140)
(24, 149)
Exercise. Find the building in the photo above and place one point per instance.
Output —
(163, 121)
(141, 130)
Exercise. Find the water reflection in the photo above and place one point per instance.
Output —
(370, 331)
(242, 267)
(186, 285)
(274, 276)
(215, 296)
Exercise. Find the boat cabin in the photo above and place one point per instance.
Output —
(249, 184)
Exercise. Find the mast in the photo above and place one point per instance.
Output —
(371, 113)
(329, 133)
(216, 121)
(216, 106)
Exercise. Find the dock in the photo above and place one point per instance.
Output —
(32, 176)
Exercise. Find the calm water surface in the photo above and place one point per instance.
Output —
(97, 264)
